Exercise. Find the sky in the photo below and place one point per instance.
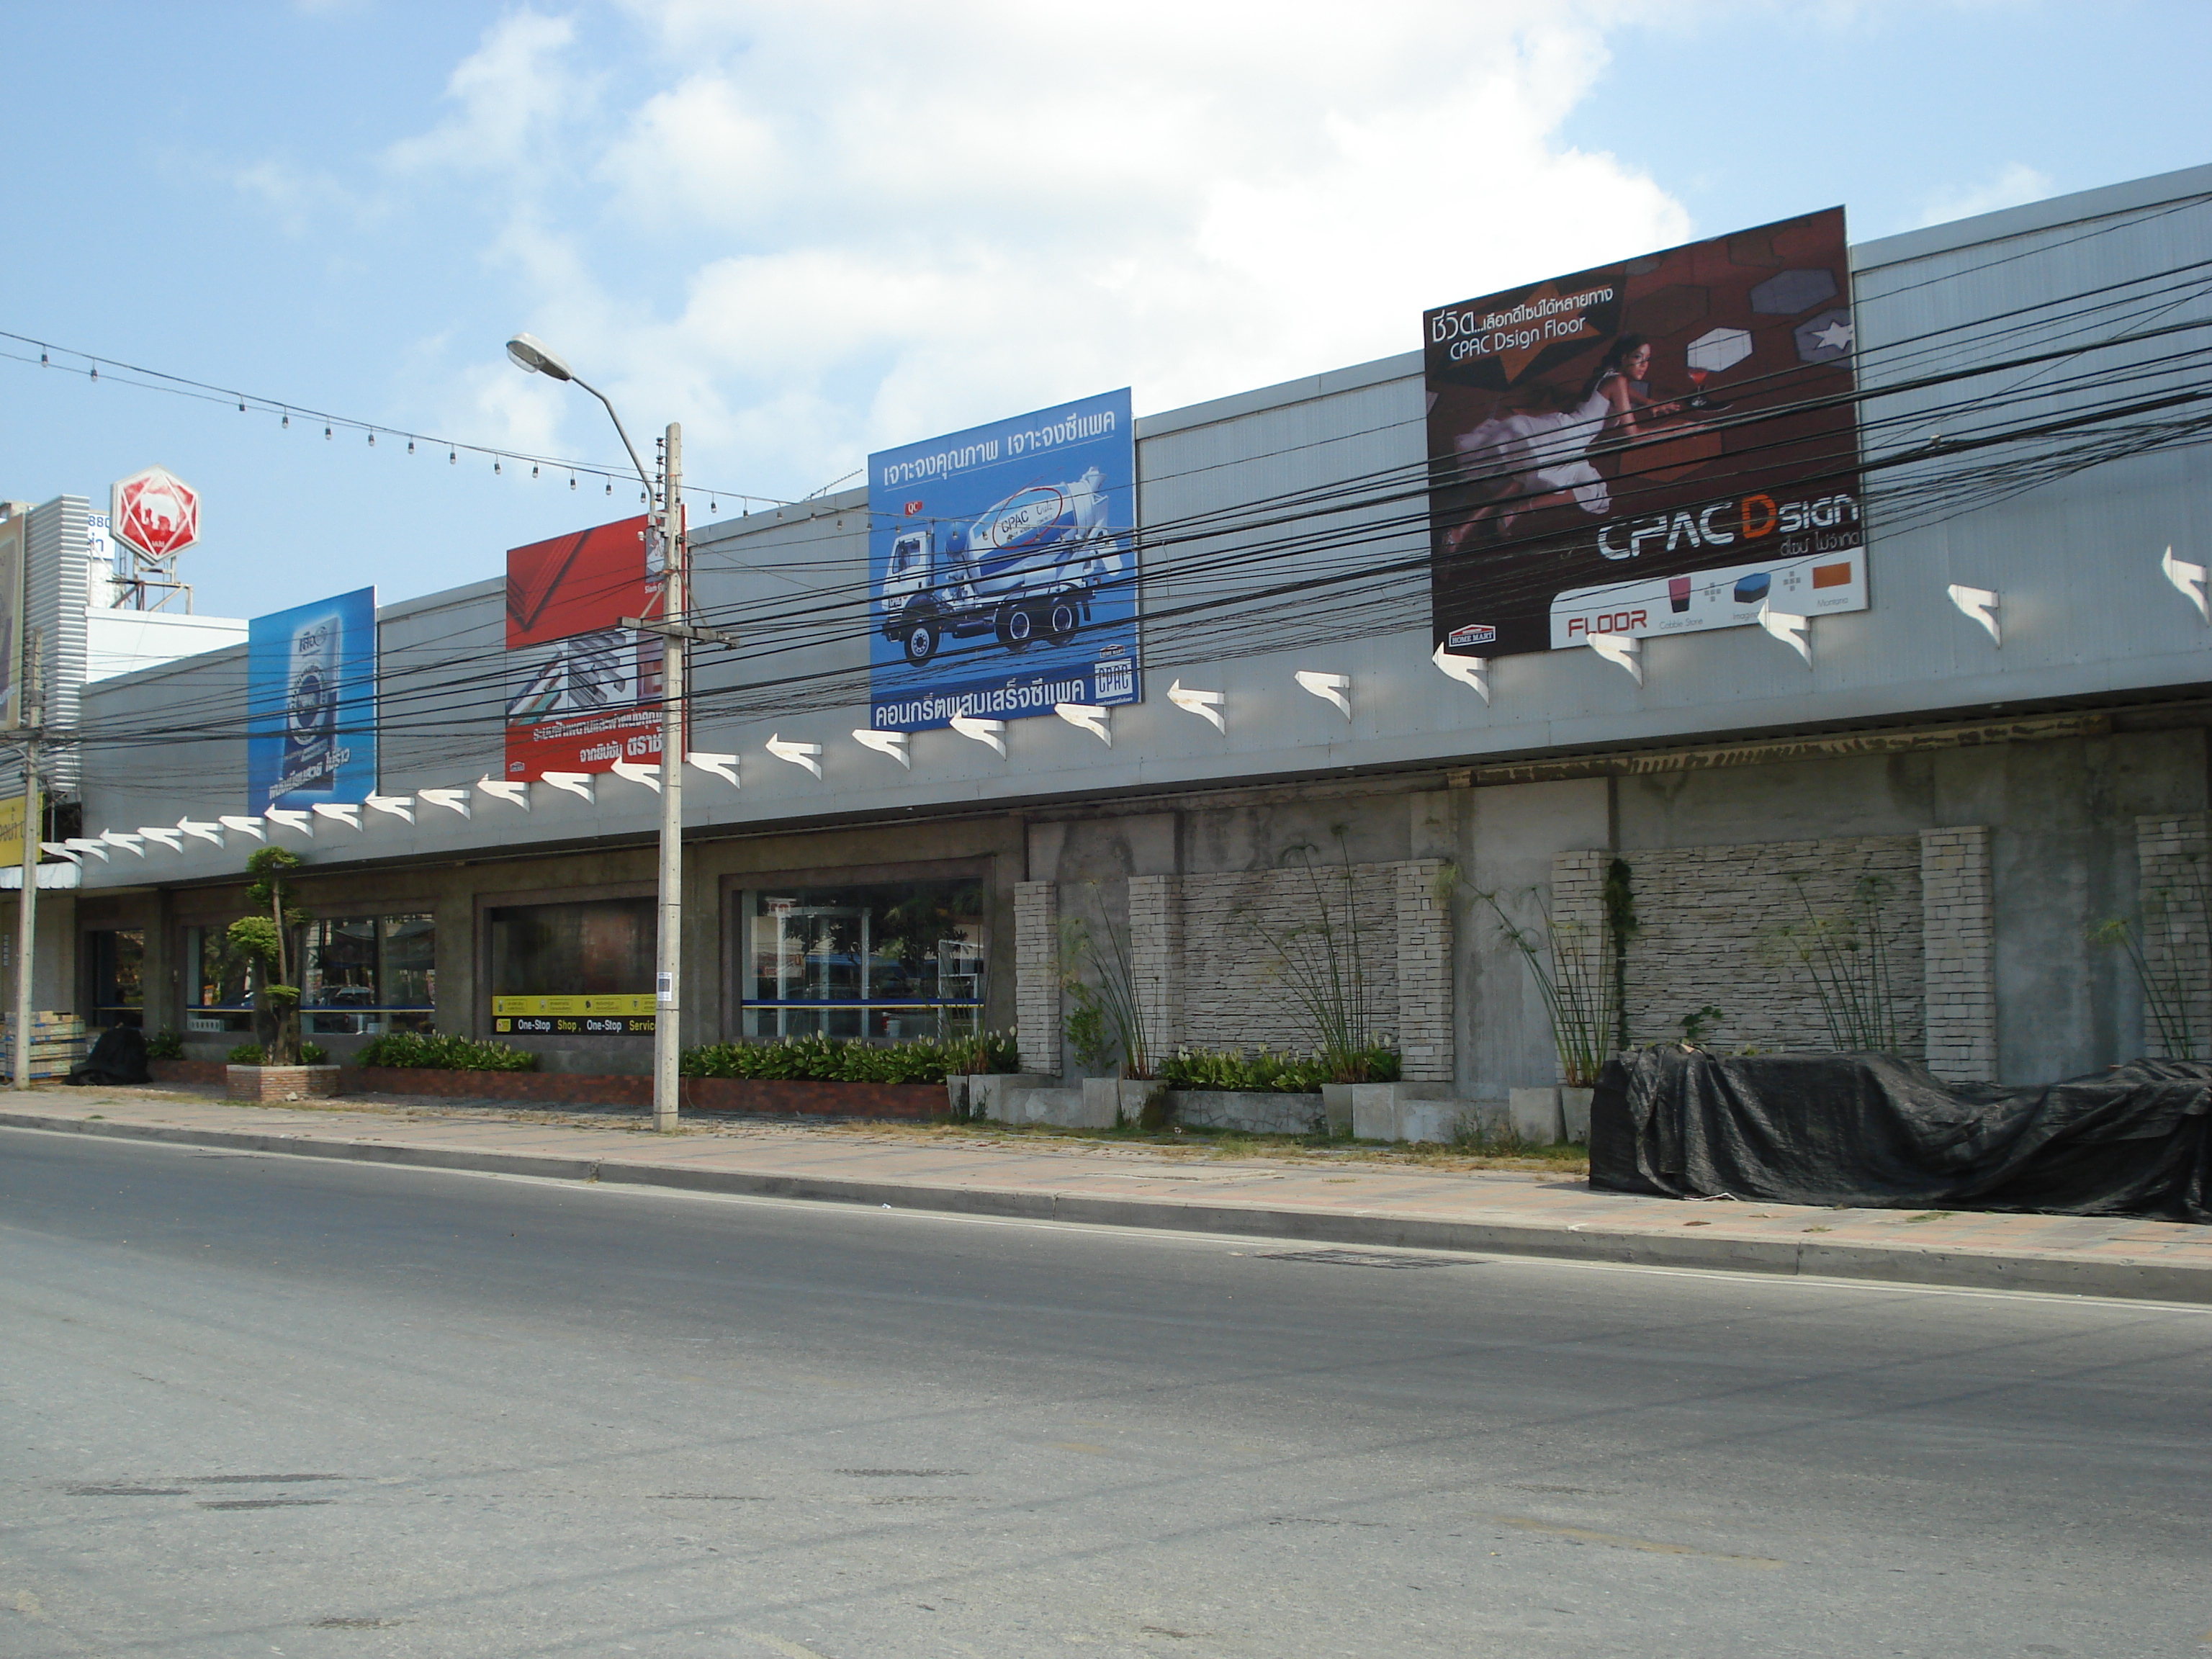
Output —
(810, 231)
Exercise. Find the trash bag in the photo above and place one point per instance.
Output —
(1876, 1131)
(119, 1056)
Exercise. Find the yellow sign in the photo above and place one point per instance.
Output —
(548, 1007)
(11, 830)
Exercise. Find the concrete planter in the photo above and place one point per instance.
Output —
(985, 1096)
(1551, 1113)
(1253, 1111)
(1108, 1101)
(281, 1082)
(1336, 1101)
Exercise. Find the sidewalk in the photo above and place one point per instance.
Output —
(1103, 1183)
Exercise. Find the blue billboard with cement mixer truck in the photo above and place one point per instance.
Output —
(1002, 568)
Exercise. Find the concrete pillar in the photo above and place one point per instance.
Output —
(1156, 959)
(2172, 879)
(1425, 972)
(1958, 952)
(1036, 976)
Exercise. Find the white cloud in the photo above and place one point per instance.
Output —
(885, 221)
(513, 90)
(2015, 184)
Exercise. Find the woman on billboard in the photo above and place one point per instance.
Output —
(1535, 458)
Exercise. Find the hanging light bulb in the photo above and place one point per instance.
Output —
(287, 423)
(96, 371)
(712, 506)
(611, 486)
(452, 458)
(572, 481)
(326, 433)
(242, 408)
(533, 471)
(372, 441)
(494, 464)
(410, 445)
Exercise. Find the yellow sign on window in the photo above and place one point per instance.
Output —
(572, 1008)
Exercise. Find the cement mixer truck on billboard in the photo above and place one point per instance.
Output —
(1002, 568)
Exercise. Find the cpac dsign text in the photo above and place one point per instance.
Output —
(1825, 525)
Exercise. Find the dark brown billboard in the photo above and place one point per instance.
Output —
(1658, 447)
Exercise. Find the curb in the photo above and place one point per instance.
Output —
(1882, 1263)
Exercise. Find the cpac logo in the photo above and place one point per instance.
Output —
(1750, 517)
(156, 511)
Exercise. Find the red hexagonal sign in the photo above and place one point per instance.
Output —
(156, 513)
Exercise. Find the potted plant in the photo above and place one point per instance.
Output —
(268, 937)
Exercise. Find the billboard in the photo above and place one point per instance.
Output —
(1658, 447)
(582, 693)
(1002, 568)
(311, 698)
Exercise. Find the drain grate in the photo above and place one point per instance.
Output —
(126, 1491)
(902, 1475)
(266, 1503)
(1367, 1259)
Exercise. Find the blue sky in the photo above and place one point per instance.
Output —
(808, 232)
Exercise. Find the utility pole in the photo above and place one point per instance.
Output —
(34, 716)
(677, 635)
(667, 989)
(534, 357)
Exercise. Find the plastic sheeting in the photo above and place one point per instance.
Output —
(1876, 1131)
(119, 1056)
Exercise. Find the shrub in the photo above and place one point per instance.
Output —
(250, 1053)
(439, 1052)
(1262, 1071)
(828, 1059)
(165, 1045)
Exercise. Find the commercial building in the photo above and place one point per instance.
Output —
(1980, 779)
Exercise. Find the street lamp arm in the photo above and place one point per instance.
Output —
(643, 476)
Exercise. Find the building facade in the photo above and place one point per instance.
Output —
(1977, 802)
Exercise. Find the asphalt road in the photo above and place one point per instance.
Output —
(262, 1405)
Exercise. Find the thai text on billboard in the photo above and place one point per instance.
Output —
(1002, 568)
(582, 692)
(311, 700)
(1663, 445)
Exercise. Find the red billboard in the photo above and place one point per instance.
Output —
(582, 692)
(1662, 446)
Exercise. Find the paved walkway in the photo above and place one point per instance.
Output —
(1318, 1198)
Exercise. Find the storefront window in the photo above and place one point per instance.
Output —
(117, 959)
(218, 983)
(360, 976)
(888, 962)
(364, 976)
(572, 969)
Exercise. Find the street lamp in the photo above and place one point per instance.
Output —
(537, 358)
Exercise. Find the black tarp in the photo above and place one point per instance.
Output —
(119, 1056)
(1876, 1131)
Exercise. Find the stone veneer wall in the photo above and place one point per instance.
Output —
(1156, 939)
(1958, 953)
(1037, 974)
(2177, 934)
(1709, 919)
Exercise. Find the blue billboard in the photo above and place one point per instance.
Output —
(1002, 568)
(311, 701)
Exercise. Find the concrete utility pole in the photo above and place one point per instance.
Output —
(533, 355)
(676, 601)
(34, 716)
